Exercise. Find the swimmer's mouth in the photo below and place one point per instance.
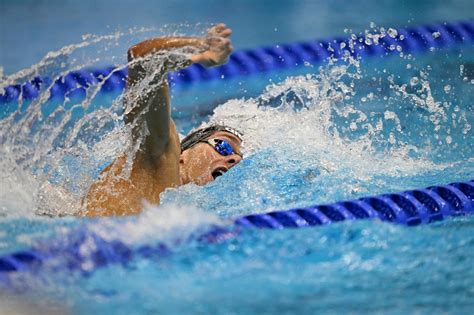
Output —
(219, 172)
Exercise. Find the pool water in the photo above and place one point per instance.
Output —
(317, 134)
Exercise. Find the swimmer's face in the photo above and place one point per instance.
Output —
(201, 163)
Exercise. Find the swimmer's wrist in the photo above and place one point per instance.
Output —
(197, 59)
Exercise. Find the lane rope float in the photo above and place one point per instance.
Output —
(412, 207)
(258, 60)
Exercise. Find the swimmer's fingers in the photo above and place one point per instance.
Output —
(226, 33)
(216, 54)
(220, 30)
(220, 45)
(216, 29)
(218, 42)
(216, 47)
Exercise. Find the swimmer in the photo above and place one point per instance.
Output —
(161, 161)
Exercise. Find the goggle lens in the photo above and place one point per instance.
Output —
(223, 147)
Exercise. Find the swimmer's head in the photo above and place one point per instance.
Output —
(208, 153)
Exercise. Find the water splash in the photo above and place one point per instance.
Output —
(53, 148)
(351, 127)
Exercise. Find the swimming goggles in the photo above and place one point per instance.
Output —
(221, 146)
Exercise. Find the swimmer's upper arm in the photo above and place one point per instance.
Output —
(150, 107)
(156, 164)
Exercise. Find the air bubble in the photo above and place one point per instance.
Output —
(447, 88)
(392, 32)
(414, 81)
(391, 138)
(436, 34)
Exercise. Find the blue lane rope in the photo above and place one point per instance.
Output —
(413, 207)
(259, 60)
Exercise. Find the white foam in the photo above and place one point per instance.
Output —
(165, 223)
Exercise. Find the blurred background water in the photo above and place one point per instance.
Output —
(31, 28)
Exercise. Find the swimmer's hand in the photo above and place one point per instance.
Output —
(217, 47)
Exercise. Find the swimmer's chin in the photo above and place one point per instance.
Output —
(208, 178)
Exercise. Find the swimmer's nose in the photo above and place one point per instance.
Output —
(232, 160)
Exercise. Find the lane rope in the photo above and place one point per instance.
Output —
(259, 60)
(412, 207)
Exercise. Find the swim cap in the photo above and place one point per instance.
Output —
(201, 134)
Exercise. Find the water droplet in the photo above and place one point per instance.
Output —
(449, 139)
(391, 138)
(392, 32)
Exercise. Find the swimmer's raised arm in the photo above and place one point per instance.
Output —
(211, 50)
(155, 165)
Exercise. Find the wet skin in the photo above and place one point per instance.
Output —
(159, 162)
(201, 163)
